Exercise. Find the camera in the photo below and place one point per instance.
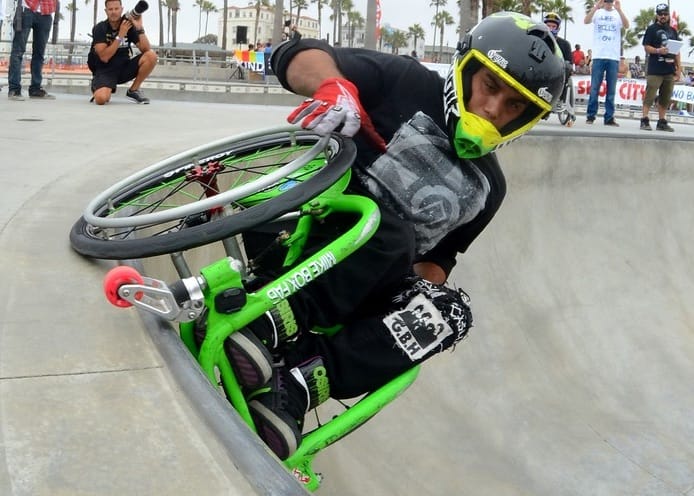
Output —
(137, 11)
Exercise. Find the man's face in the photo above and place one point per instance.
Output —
(553, 26)
(114, 10)
(663, 18)
(494, 100)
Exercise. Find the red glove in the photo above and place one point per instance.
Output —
(336, 103)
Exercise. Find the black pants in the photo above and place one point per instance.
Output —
(356, 293)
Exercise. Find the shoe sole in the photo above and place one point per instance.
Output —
(278, 432)
(138, 101)
(250, 360)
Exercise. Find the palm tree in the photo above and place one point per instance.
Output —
(436, 4)
(199, 3)
(338, 7)
(172, 6)
(225, 11)
(258, 5)
(300, 5)
(72, 7)
(398, 40)
(208, 7)
(56, 23)
(320, 5)
(442, 20)
(633, 36)
(355, 20)
(95, 13)
(174, 20)
(160, 9)
(416, 32)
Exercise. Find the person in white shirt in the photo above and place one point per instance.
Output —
(608, 20)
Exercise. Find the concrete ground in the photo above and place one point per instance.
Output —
(577, 378)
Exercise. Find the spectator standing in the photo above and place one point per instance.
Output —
(623, 69)
(663, 67)
(608, 20)
(294, 33)
(635, 68)
(577, 56)
(267, 51)
(31, 16)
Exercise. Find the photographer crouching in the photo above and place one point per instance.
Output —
(110, 54)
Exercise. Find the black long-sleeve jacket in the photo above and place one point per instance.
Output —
(402, 98)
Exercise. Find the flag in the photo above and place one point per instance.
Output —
(378, 19)
(674, 20)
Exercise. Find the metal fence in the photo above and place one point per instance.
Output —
(190, 63)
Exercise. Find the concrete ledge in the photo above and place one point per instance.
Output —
(181, 90)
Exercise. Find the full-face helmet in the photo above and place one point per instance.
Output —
(520, 52)
(553, 17)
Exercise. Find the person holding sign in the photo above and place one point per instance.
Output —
(662, 47)
(608, 20)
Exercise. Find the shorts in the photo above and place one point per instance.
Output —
(660, 84)
(117, 72)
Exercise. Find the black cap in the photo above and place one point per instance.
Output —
(662, 8)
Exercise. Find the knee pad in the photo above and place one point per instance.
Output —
(429, 318)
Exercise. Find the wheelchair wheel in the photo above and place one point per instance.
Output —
(567, 116)
(211, 192)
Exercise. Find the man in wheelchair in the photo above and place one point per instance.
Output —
(553, 21)
(425, 154)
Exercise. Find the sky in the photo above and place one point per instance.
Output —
(399, 14)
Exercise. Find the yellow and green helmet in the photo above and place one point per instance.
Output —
(522, 53)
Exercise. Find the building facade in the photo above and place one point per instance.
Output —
(241, 22)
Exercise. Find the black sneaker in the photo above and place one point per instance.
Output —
(646, 124)
(15, 96)
(278, 410)
(137, 96)
(40, 94)
(249, 350)
(664, 126)
(612, 123)
(590, 120)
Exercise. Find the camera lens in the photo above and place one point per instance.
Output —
(141, 7)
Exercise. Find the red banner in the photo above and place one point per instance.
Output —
(378, 19)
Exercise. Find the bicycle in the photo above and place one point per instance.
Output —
(219, 192)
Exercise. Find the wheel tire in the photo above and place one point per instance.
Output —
(89, 240)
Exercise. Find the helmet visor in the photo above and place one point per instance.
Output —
(473, 131)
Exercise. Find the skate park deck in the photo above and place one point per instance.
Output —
(578, 377)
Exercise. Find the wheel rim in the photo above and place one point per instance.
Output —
(196, 186)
